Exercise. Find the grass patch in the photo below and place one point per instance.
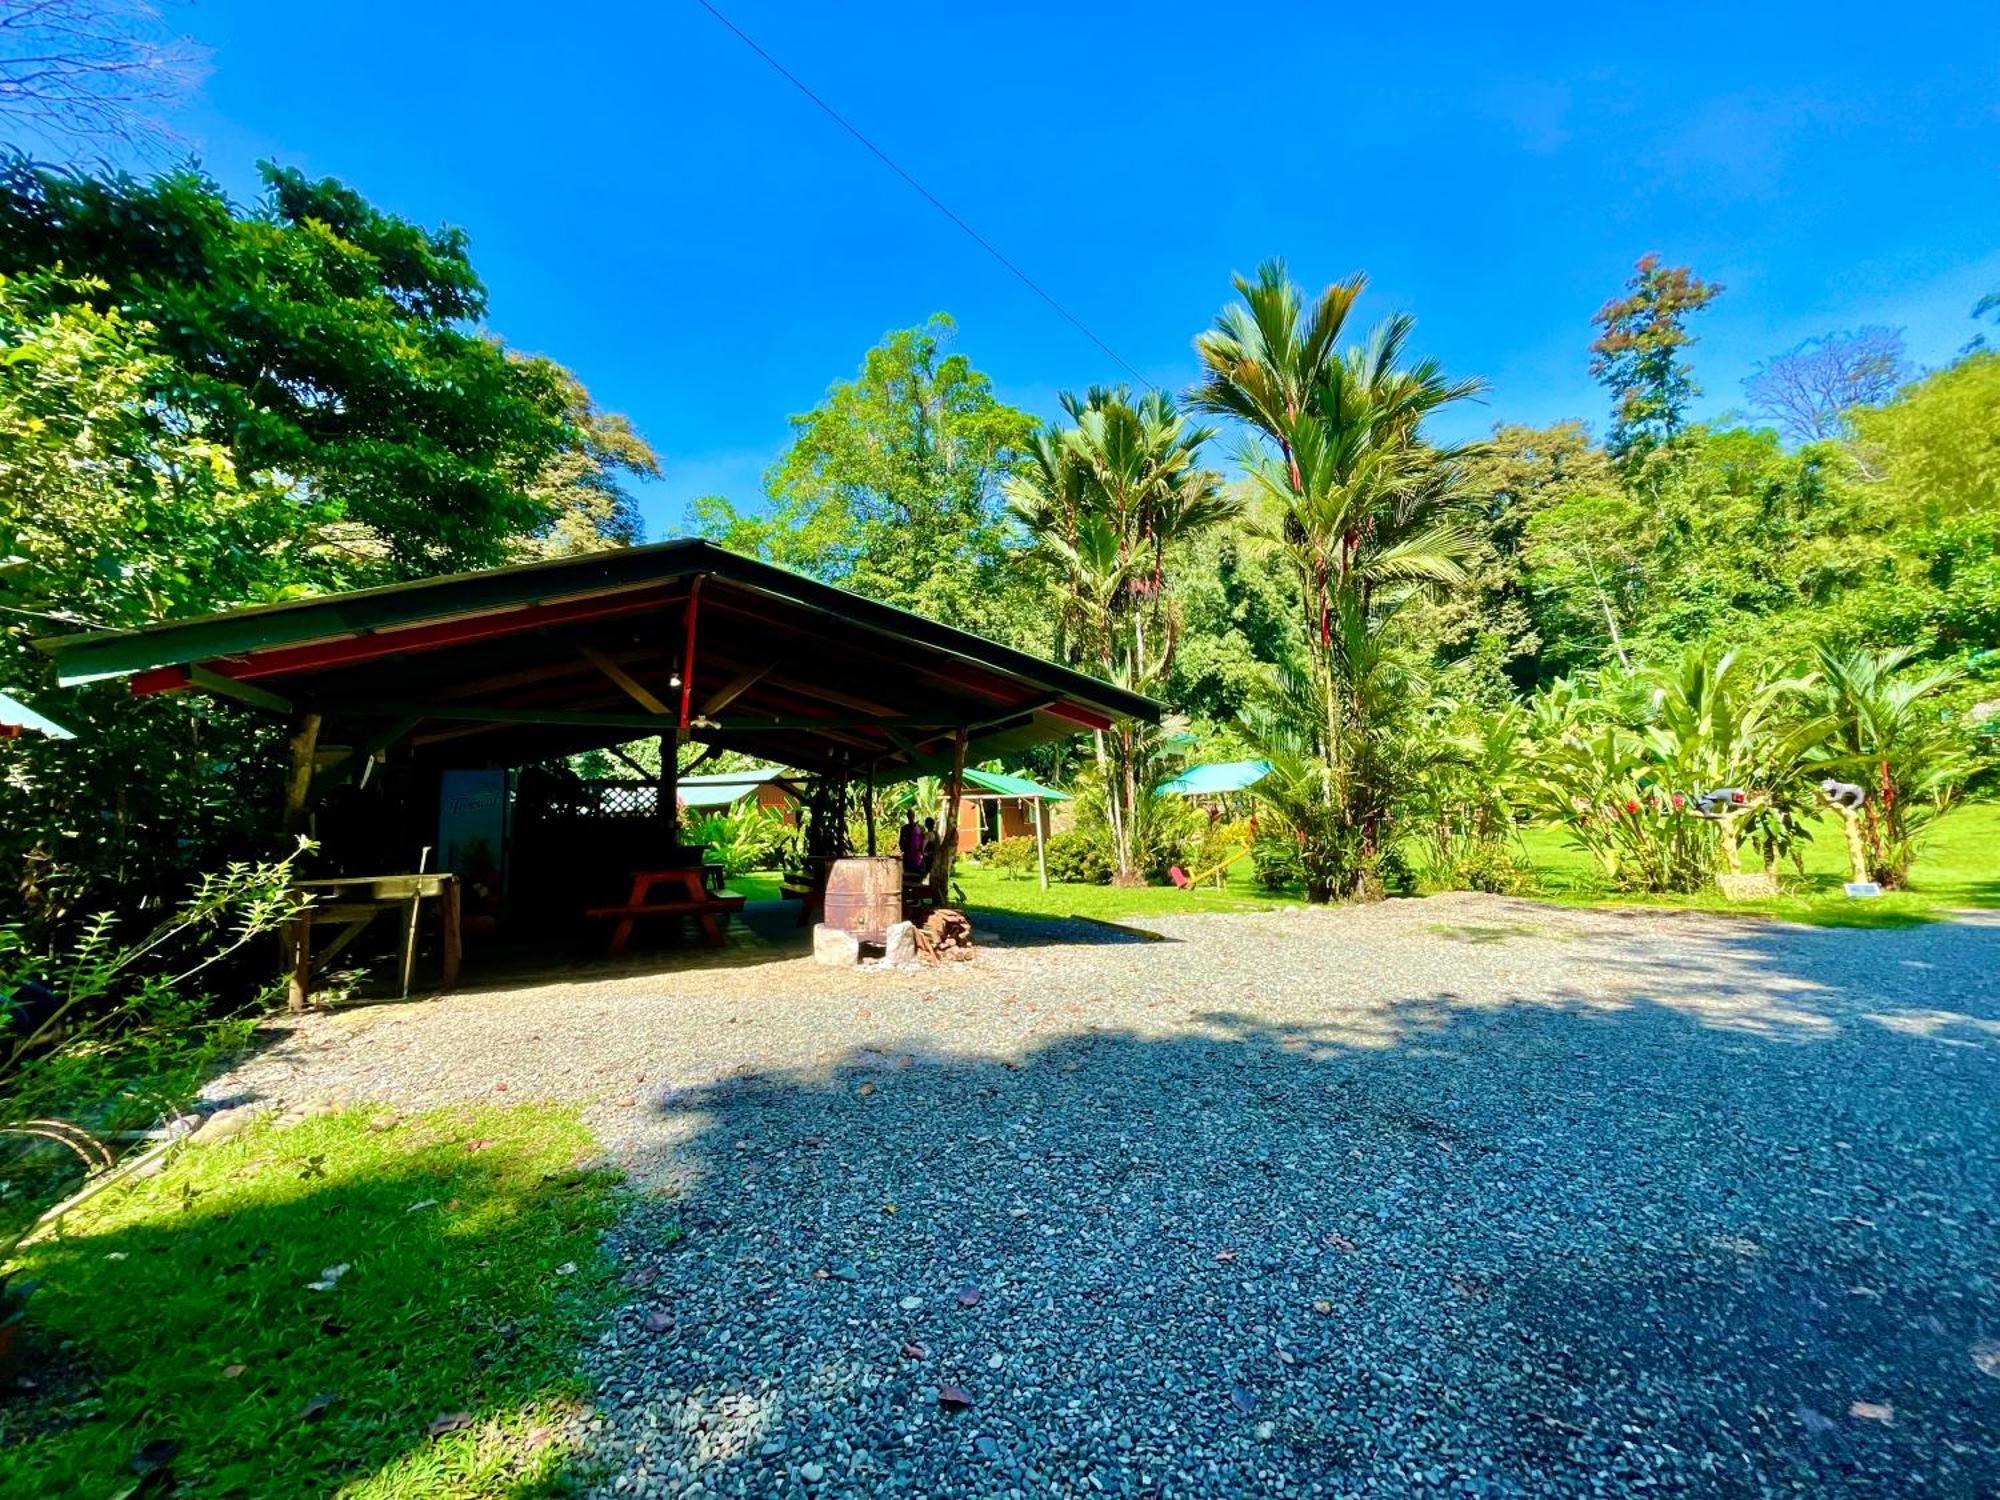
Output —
(758, 885)
(199, 1351)
(1958, 866)
(993, 891)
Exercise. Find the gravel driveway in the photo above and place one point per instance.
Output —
(1461, 1196)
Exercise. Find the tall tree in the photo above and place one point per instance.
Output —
(583, 488)
(1497, 626)
(891, 486)
(1638, 356)
(322, 341)
(1367, 512)
(1107, 501)
(1810, 388)
(111, 516)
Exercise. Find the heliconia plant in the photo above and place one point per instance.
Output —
(1623, 765)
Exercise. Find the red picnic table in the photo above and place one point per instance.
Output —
(687, 895)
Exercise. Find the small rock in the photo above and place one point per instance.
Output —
(812, 1473)
(911, 1304)
(899, 944)
(836, 949)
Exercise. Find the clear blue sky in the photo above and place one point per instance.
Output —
(652, 205)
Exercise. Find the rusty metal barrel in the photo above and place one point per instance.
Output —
(864, 897)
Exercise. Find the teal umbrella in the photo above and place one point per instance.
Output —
(1215, 780)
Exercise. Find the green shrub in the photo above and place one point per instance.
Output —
(1077, 858)
(1275, 857)
(1014, 857)
(1482, 865)
(748, 838)
(113, 1031)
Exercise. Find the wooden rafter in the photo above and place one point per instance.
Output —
(633, 688)
(735, 688)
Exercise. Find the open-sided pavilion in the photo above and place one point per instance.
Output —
(681, 639)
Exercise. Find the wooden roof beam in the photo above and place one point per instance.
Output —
(633, 688)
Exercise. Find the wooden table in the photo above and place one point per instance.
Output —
(357, 900)
(687, 895)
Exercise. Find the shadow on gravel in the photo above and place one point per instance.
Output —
(1734, 1242)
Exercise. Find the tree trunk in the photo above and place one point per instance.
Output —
(948, 835)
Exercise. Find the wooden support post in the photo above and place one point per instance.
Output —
(298, 784)
(669, 793)
(298, 960)
(868, 806)
(450, 933)
(1041, 809)
(948, 835)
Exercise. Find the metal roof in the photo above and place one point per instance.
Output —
(721, 788)
(524, 663)
(1002, 785)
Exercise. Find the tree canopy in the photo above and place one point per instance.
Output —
(891, 486)
(329, 345)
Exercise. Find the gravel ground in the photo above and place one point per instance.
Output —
(1461, 1196)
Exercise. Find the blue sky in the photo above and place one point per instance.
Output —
(652, 205)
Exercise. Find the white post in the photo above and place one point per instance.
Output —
(1041, 852)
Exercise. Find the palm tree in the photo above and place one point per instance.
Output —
(1267, 354)
(1105, 501)
(1887, 734)
(1364, 505)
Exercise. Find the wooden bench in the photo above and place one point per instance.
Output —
(693, 900)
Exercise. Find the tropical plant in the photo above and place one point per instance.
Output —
(1367, 513)
(1465, 807)
(1338, 810)
(741, 839)
(1885, 731)
(1106, 500)
(1624, 762)
(106, 1033)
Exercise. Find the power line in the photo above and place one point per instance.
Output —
(928, 196)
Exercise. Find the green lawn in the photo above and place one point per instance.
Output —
(995, 891)
(202, 1347)
(1959, 867)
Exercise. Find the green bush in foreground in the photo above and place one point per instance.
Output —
(217, 1340)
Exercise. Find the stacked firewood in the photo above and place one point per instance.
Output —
(944, 934)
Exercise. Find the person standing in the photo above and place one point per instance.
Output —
(910, 841)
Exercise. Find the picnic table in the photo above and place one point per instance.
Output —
(687, 894)
(356, 901)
